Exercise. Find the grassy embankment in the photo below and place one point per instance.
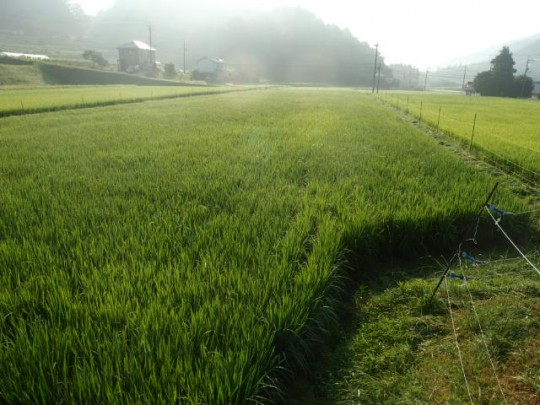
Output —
(156, 256)
(20, 73)
(14, 71)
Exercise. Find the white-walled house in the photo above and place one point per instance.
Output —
(211, 69)
(136, 56)
(210, 66)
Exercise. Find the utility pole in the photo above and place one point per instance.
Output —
(525, 75)
(425, 80)
(184, 56)
(379, 77)
(151, 53)
(527, 66)
(464, 75)
(375, 67)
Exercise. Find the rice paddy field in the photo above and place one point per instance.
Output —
(17, 100)
(506, 131)
(194, 250)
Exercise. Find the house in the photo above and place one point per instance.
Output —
(210, 68)
(469, 89)
(536, 90)
(136, 56)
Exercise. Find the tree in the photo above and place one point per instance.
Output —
(289, 45)
(523, 86)
(500, 80)
(169, 71)
(43, 18)
(503, 70)
(483, 83)
(96, 58)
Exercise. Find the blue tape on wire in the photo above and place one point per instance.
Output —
(493, 208)
(465, 255)
(454, 275)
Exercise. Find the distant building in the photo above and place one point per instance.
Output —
(469, 89)
(210, 68)
(136, 56)
(536, 90)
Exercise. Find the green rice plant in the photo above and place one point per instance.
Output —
(192, 250)
(18, 100)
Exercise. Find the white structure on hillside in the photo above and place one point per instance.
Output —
(24, 56)
(210, 67)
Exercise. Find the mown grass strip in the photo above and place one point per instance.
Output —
(404, 351)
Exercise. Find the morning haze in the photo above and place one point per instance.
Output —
(278, 41)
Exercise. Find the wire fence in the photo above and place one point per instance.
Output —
(522, 164)
(495, 215)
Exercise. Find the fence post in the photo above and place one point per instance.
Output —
(407, 110)
(421, 104)
(472, 135)
(439, 119)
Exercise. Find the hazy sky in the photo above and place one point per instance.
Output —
(424, 33)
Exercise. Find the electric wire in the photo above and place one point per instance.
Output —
(456, 342)
(498, 225)
(482, 334)
(524, 212)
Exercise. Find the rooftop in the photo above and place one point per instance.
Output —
(137, 45)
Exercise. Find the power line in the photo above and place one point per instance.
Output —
(497, 224)
(484, 340)
(456, 341)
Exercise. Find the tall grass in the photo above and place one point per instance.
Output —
(191, 250)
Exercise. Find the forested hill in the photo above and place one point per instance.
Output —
(50, 18)
(290, 45)
(287, 44)
(282, 45)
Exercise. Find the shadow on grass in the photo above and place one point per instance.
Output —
(387, 267)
